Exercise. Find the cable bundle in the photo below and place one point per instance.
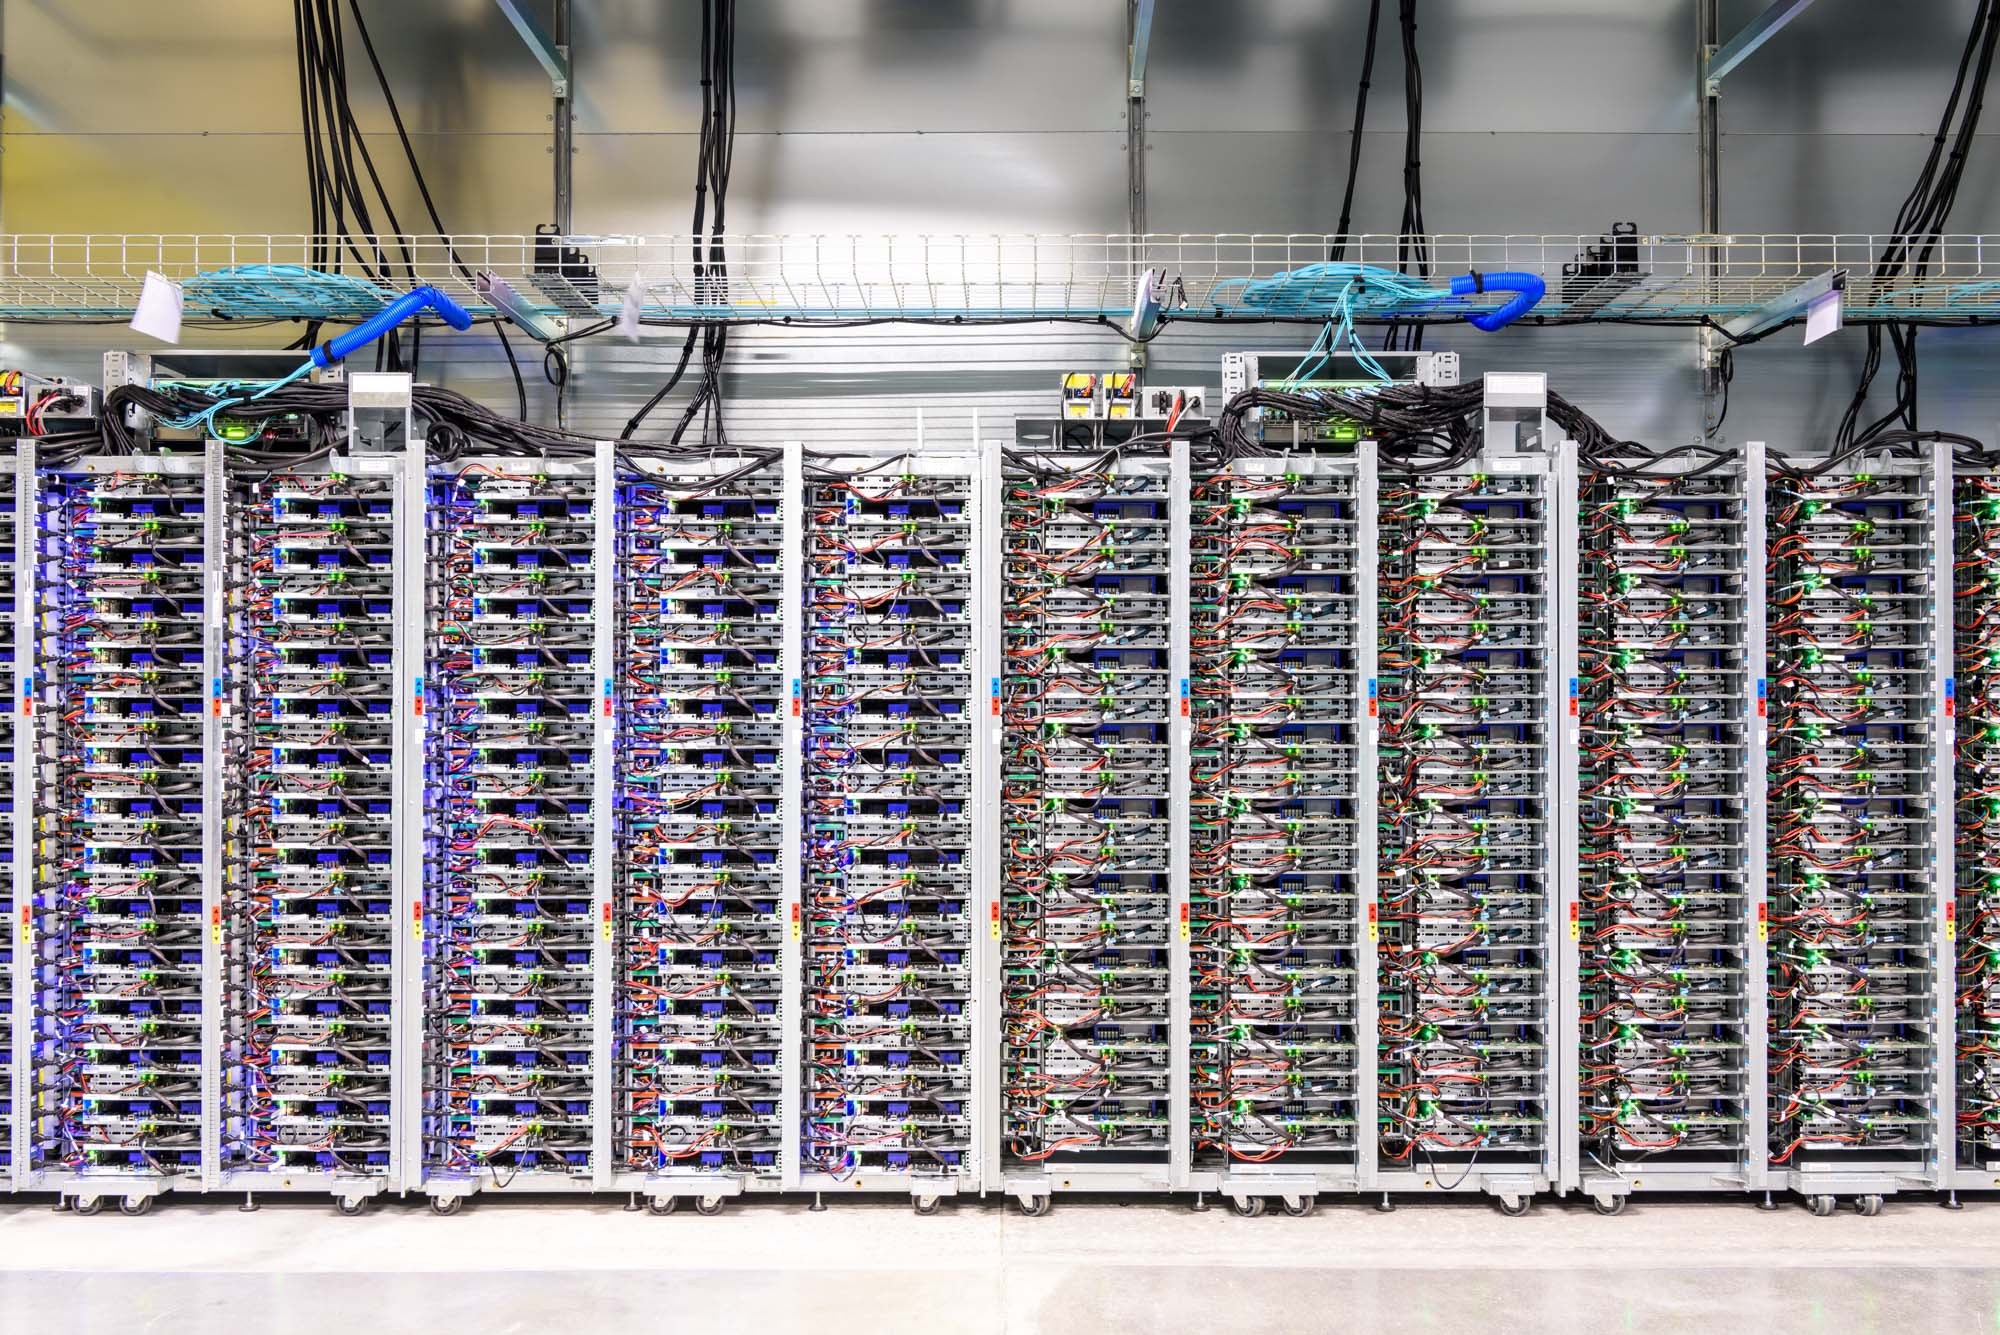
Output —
(711, 264)
(1919, 224)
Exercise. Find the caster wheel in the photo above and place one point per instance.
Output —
(447, 1205)
(1513, 1207)
(136, 1205)
(925, 1205)
(94, 1205)
(663, 1204)
(1304, 1206)
(1822, 1207)
(1036, 1206)
(1249, 1207)
(708, 1205)
(1868, 1206)
(1609, 1206)
(350, 1206)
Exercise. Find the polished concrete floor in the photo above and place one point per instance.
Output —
(1087, 1269)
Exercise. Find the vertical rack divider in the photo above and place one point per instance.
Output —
(792, 1057)
(22, 929)
(215, 558)
(1561, 623)
(1944, 809)
(1368, 763)
(986, 1070)
(1757, 798)
(1180, 729)
(412, 600)
(604, 852)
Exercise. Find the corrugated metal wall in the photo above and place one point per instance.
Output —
(1007, 115)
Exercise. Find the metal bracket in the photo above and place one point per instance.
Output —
(1142, 40)
(1720, 61)
(508, 302)
(553, 58)
(1787, 305)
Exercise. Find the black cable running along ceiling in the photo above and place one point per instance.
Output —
(333, 142)
(717, 148)
(1919, 224)
(1413, 251)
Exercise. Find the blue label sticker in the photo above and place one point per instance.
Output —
(1760, 688)
(1184, 688)
(1950, 687)
(1371, 688)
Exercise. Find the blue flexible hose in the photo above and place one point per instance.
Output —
(1527, 288)
(402, 308)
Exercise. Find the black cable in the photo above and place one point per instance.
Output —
(715, 156)
(1413, 252)
(1919, 226)
(1339, 249)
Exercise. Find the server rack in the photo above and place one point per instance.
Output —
(1282, 809)
(1093, 910)
(1470, 896)
(319, 865)
(515, 922)
(122, 950)
(1973, 710)
(893, 845)
(1669, 820)
(17, 597)
(706, 914)
(1861, 900)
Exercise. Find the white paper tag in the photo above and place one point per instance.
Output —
(1823, 316)
(158, 314)
(628, 314)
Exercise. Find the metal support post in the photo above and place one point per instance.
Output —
(564, 119)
